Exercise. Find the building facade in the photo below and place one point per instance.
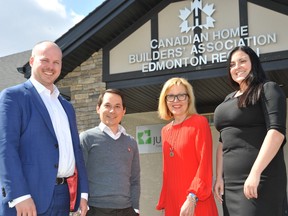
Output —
(136, 46)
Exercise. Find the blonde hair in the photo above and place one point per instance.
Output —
(163, 111)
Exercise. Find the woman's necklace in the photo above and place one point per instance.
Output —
(171, 153)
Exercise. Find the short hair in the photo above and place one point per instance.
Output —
(113, 91)
(39, 44)
(163, 111)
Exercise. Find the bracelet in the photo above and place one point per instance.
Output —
(193, 198)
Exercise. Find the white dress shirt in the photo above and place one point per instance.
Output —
(110, 133)
(66, 166)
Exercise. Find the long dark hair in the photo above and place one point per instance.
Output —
(254, 80)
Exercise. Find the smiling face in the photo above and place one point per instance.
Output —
(178, 107)
(46, 63)
(111, 110)
(240, 66)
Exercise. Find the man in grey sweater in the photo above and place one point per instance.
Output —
(112, 161)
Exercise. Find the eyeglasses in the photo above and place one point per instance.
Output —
(180, 97)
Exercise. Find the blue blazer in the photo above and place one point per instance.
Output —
(29, 153)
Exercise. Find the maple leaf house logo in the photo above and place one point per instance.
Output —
(196, 10)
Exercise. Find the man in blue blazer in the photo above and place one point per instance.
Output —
(39, 143)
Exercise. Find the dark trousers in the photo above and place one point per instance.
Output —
(94, 211)
(59, 205)
(60, 202)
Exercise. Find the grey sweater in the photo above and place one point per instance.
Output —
(113, 169)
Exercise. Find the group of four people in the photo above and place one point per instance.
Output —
(46, 168)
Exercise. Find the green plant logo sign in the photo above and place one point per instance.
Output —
(144, 137)
(149, 138)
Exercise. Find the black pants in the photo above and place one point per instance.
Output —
(94, 211)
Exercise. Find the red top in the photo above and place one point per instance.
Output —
(190, 169)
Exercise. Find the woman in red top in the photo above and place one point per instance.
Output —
(187, 154)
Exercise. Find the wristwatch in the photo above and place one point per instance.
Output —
(193, 196)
